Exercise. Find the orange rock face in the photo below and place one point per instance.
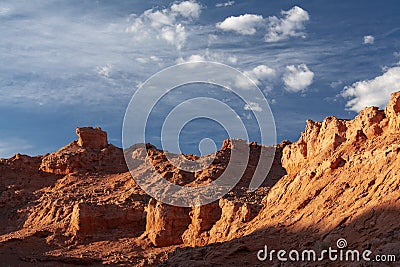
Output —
(91, 220)
(342, 182)
(165, 224)
(93, 138)
(90, 153)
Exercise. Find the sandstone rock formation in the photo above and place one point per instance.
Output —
(90, 137)
(80, 205)
(165, 224)
(342, 182)
(90, 153)
(90, 219)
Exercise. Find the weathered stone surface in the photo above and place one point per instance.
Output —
(165, 224)
(202, 220)
(234, 214)
(342, 181)
(323, 138)
(392, 112)
(90, 153)
(90, 219)
(89, 137)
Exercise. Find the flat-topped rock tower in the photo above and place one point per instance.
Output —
(89, 137)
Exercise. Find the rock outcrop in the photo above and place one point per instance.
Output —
(321, 139)
(342, 182)
(392, 112)
(92, 220)
(90, 137)
(217, 221)
(80, 205)
(91, 153)
(165, 224)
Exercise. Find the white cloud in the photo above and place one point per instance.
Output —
(192, 58)
(155, 58)
(297, 78)
(145, 60)
(291, 25)
(253, 107)
(244, 24)
(174, 35)
(259, 73)
(229, 3)
(209, 56)
(369, 39)
(232, 59)
(4, 11)
(187, 9)
(159, 18)
(164, 24)
(104, 71)
(142, 60)
(374, 92)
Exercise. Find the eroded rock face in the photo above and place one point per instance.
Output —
(90, 219)
(165, 224)
(337, 165)
(392, 112)
(234, 214)
(90, 153)
(90, 137)
(203, 219)
(323, 138)
(21, 162)
(342, 181)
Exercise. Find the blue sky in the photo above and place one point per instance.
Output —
(76, 63)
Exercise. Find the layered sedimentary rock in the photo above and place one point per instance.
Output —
(80, 205)
(90, 153)
(342, 182)
(91, 219)
(89, 137)
(323, 138)
(165, 224)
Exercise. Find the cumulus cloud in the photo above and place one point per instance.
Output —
(291, 24)
(164, 24)
(187, 9)
(297, 78)
(261, 72)
(374, 92)
(253, 107)
(174, 35)
(369, 39)
(229, 3)
(244, 24)
(257, 75)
